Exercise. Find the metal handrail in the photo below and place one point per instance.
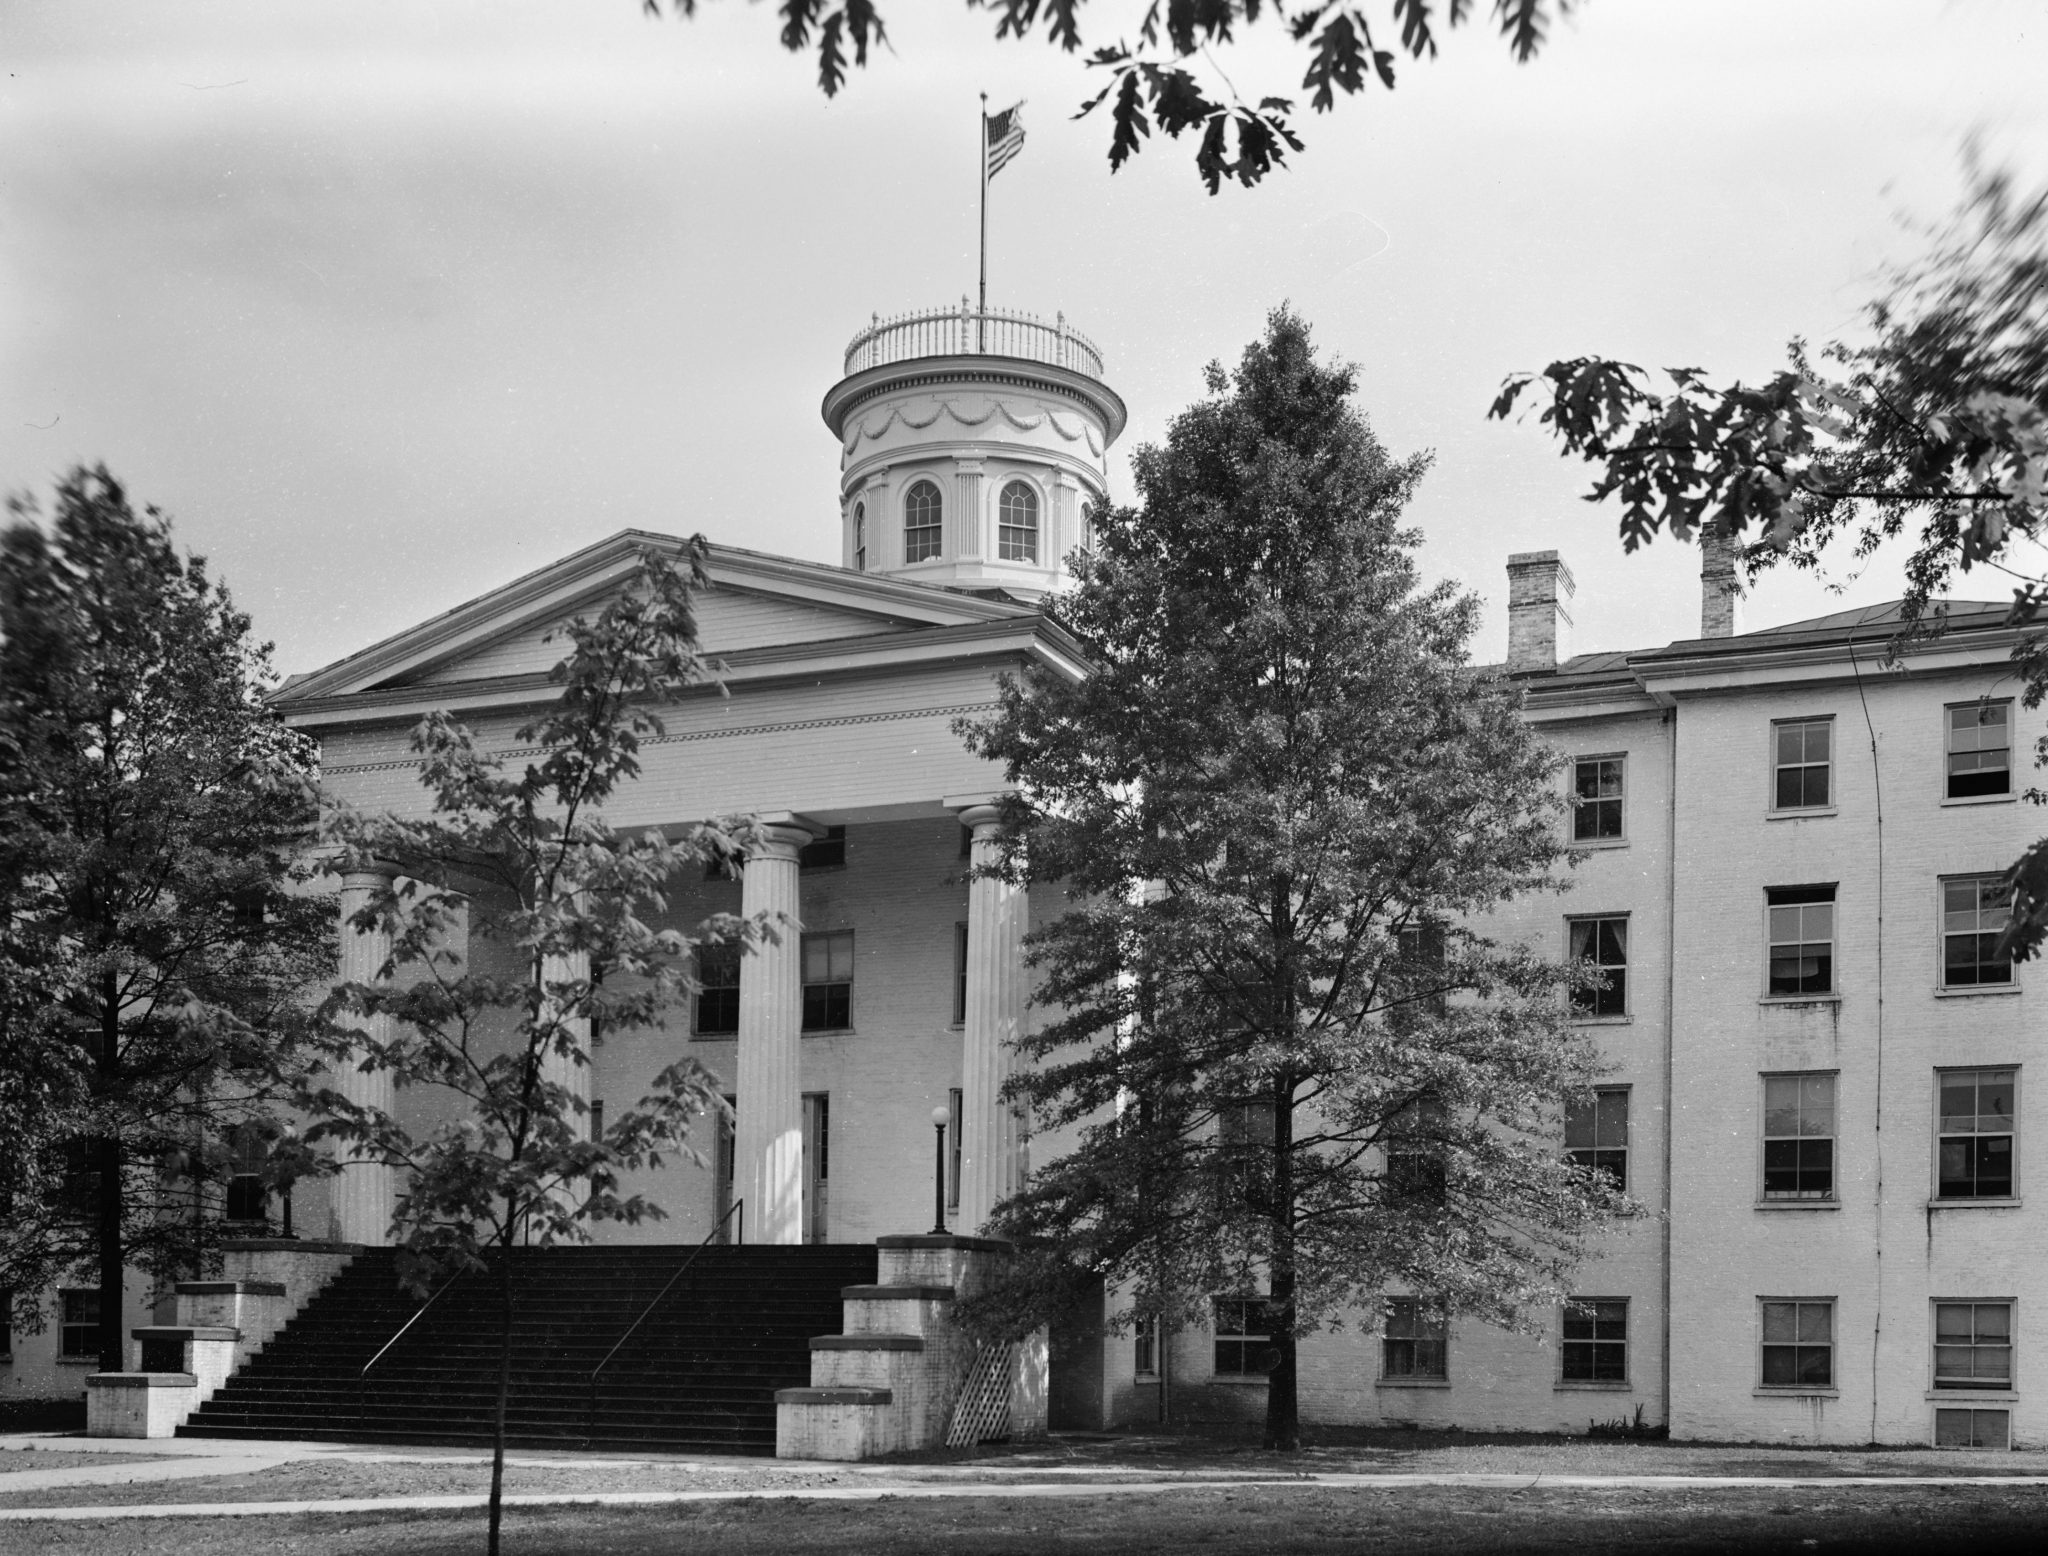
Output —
(734, 1209)
(402, 1328)
(971, 331)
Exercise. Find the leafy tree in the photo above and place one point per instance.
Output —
(1934, 425)
(522, 860)
(1282, 804)
(154, 947)
(1159, 80)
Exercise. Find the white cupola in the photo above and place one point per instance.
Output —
(972, 442)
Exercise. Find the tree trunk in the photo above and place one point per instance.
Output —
(1283, 1420)
(113, 1274)
(504, 1393)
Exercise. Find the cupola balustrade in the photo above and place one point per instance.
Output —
(971, 331)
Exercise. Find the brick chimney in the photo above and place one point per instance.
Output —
(1539, 611)
(1720, 589)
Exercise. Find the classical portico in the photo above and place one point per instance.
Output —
(895, 979)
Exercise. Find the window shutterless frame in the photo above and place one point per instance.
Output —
(1594, 1343)
(1976, 761)
(1799, 1137)
(1599, 795)
(1974, 912)
(1976, 1142)
(1414, 1347)
(1973, 1345)
(1797, 1343)
(1799, 941)
(1603, 941)
(1803, 764)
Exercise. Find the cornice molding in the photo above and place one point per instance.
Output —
(582, 577)
(1027, 636)
(689, 736)
(849, 394)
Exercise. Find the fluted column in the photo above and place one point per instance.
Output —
(768, 1134)
(363, 1191)
(556, 1068)
(997, 914)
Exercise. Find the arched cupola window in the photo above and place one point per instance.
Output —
(923, 511)
(1017, 524)
(860, 537)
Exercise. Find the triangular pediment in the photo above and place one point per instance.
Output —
(756, 602)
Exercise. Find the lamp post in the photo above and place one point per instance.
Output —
(940, 1118)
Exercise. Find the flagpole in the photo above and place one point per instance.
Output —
(981, 150)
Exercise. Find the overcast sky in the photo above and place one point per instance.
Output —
(388, 301)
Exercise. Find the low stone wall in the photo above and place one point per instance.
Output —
(301, 1268)
(138, 1404)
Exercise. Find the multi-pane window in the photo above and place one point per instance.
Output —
(824, 853)
(1419, 948)
(1604, 943)
(1145, 1345)
(923, 522)
(959, 975)
(1973, 1345)
(828, 981)
(1802, 939)
(1017, 524)
(248, 1196)
(1799, 1137)
(1802, 762)
(1596, 791)
(1244, 1344)
(1979, 750)
(1412, 1341)
(1974, 912)
(860, 537)
(1799, 1343)
(1596, 1132)
(78, 1330)
(1244, 1142)
(1415, 1160)
(718, 990)
(1959, 1428)
(1596, 1340)
(1976, 1150)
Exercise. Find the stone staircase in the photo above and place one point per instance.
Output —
(890, 1380)
(701, 1372)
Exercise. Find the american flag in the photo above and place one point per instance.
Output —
(1005, 137)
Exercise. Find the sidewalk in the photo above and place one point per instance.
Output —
(181, 1459)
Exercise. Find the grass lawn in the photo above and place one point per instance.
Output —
(22, 1460)
(1248, 1519)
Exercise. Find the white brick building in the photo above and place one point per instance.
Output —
(1818, 1084)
